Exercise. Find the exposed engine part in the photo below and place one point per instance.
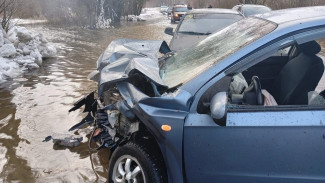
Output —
(111, 96)
(125, 110)
(111, 117)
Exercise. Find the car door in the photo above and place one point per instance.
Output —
(256, 146)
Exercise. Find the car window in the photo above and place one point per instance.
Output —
(248, 11)
(189, 63)
(283, 52)
(206, 23)
(285, 81)
(181, 9)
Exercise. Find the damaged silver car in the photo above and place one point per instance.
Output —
(246, 104)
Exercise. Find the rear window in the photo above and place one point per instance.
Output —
(181, 9)
(206, 23)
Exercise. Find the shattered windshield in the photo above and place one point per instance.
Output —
(189, 63)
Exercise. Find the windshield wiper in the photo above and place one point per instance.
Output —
(193, 33)
(172, 89)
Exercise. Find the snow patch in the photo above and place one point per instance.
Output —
(8, 69)
(21, 51)
(37, 56)
(4, 122)
(28, 21)
(5, 136)
(12, 35)
(2, 41)
(3, 159)
(147, 14)
(8, 50)
(23, 34)
(47, 51)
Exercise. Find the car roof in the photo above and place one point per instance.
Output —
(252, 5)
(294, 14)
(179, 6)
(213, 10)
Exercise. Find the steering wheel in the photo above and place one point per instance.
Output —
(253, 94)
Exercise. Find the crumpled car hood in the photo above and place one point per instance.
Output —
(124, 56)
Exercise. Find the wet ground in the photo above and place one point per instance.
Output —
(36, 105)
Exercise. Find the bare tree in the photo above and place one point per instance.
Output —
(30, 9)
(7, 10)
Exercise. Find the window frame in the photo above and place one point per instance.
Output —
(260, 54)
(298, 39)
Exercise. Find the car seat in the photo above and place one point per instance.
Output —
(299, 76)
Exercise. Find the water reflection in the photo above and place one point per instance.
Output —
(36, 105)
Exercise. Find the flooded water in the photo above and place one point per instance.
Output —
(36, 106)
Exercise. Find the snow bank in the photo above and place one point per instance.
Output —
(28, 21)
(147, 14)
(23, 34)
(8, 69)
(7, 50)
(21, 51)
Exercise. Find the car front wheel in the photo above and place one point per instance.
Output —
(133, 163)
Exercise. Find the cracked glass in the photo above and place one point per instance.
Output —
(189, 63)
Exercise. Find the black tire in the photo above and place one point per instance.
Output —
(151, 168)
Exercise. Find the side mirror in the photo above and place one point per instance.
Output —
(218, 107)
(169, 31)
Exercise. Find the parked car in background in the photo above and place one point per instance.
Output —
(163, 9)
(203, 114)
(198, 24)
(178, 11)
(251, 9)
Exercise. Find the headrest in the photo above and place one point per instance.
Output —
(310, 48)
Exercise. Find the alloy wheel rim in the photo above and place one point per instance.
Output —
(128, 170)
